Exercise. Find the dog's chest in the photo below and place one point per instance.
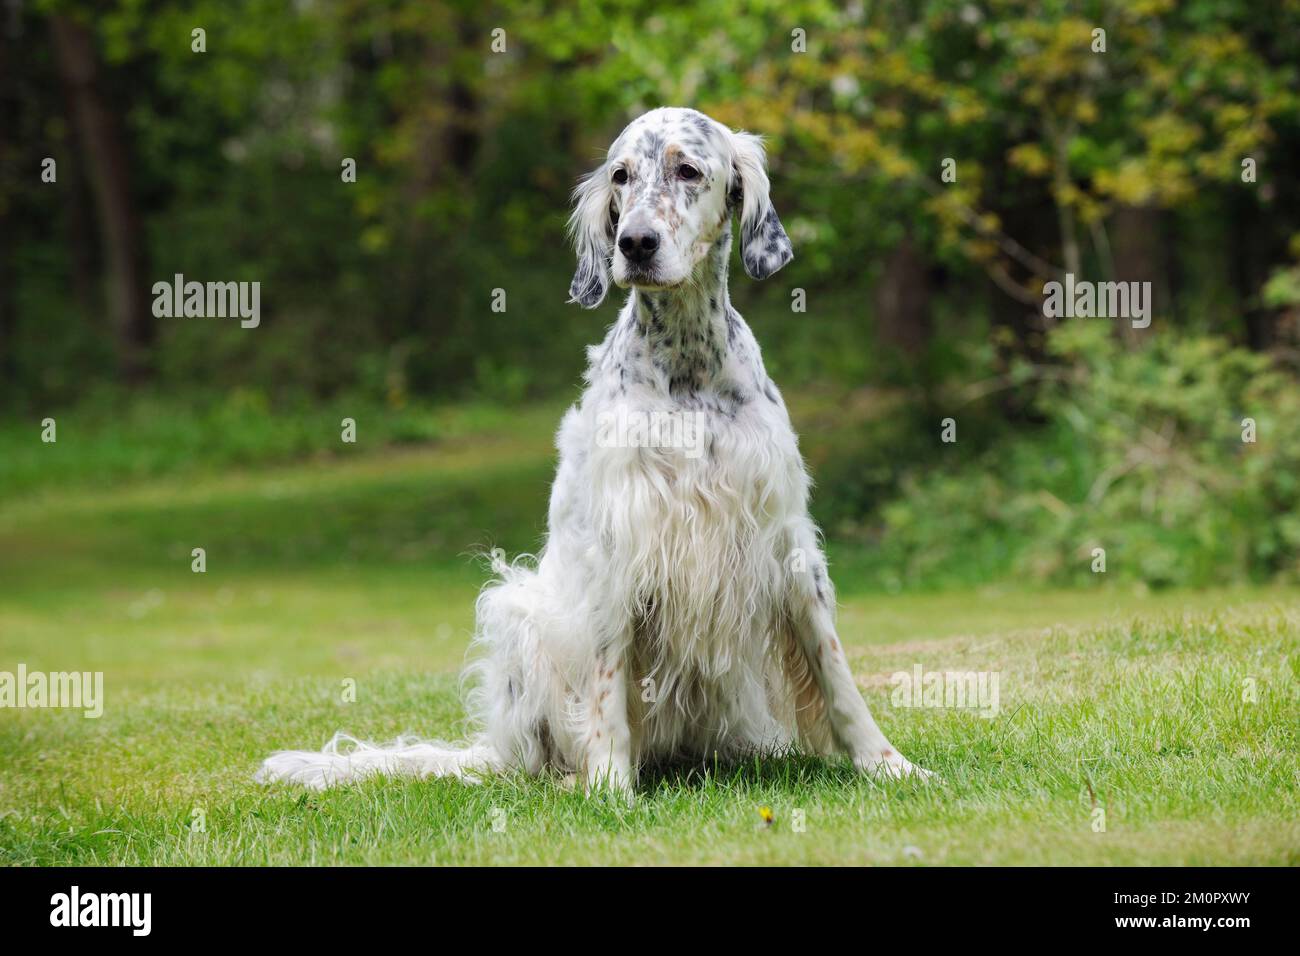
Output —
(692, 504)
(708, 466)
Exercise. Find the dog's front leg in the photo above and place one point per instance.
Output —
(855, 730)
(609, 735)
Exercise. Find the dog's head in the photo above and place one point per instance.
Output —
(665, 193)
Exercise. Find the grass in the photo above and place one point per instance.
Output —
(1175, 713)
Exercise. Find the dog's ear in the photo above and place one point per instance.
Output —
(764, 246)
(591, 227)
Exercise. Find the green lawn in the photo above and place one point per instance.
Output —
(1175, 713)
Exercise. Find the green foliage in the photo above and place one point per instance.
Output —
(376, 293)
(1141, 453)
(1019, 94)
(465, 158)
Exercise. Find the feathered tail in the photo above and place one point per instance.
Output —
(345, 758)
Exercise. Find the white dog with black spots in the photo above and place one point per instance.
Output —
(681, 608)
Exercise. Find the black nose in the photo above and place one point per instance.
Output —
(638, 247)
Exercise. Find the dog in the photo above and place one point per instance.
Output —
(681, 607)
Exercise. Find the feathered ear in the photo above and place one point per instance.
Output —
(764, 246)
(591, 227)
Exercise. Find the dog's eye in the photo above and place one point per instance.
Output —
(688, 172)
(620, 176)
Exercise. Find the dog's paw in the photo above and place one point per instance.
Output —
(613, 784)
(890, 764)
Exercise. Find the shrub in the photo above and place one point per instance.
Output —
(1143, 453)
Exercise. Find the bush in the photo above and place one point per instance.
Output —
(1144, 453)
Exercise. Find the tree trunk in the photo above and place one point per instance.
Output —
(1249, 263)
(1141, 255)
(902, 299)
(103, 144)
(8, 309)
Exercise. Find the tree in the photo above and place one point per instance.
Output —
(107, 157)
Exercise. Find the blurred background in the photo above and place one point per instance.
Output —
(1171, 157)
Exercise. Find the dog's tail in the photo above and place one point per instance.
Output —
(345, 758)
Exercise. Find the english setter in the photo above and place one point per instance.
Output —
(681, 606)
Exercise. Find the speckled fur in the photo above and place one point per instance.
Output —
(681, 606)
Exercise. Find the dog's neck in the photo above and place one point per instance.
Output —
(685, 328)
